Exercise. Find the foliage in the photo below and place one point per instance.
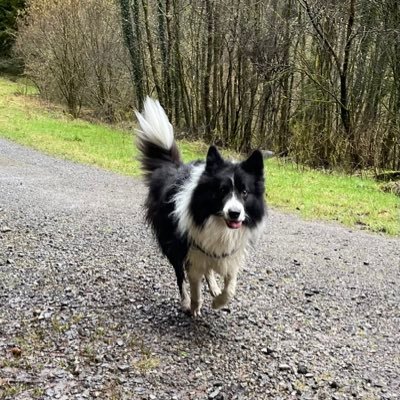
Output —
(73, 52)
(9, 10)
(315, 80)
(353, 201)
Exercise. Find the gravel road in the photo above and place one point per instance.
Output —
(89, 309)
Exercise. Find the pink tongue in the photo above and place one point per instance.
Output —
(234, 224)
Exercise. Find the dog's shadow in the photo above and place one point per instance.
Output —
(163, 314)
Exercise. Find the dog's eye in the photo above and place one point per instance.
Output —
(244, 194)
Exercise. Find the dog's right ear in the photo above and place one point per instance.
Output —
(214, 159)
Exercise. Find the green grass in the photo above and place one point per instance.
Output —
(27, 121)
(352, 201)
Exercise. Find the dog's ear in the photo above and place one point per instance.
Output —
(214, 159)
(254, 164)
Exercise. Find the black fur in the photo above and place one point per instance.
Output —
(154, 157)
(166, 175)
(215, 186)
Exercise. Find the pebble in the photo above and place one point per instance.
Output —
(266, 350)
(214, 393)
(302, 369)
(123, 367)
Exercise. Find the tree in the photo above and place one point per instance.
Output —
(9, 11)
(132, 34)
(74, 53)
(314, 80)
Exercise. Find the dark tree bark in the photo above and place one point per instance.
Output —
(131, 29)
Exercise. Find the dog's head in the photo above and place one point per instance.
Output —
(232, 191)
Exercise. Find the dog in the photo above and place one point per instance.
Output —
(205, 215)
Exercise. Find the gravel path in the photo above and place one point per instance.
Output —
(89, 309)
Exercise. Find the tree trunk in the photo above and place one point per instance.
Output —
(130, 30)
(208, 43)
(151, 52)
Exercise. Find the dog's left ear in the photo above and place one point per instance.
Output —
(254, 164)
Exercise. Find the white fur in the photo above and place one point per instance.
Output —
(184, 196)
(212, 283)
(233, 204)
(201, 265)
(154, 124)
(214, 238)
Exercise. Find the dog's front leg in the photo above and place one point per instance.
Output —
(227, 293)
(195, 277)
(212, 283)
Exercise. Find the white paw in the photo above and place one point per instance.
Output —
(214, 290)
(195, 309)
(212, 284)
(196, 313)
(185, 304)
(219, 301)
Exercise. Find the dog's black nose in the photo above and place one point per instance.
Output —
(233, 214)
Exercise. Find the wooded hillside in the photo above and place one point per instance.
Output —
(317, 80)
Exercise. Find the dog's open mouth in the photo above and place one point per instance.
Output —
(233, 224)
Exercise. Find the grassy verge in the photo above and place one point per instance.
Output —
(352, 201)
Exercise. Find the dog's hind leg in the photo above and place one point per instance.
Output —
(212, 283)
(185, 298)
(182, 286)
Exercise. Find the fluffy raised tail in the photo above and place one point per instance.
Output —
(155, 138)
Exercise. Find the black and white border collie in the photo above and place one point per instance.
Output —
(204, 214)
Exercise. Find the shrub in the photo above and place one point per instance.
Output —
(74, 53)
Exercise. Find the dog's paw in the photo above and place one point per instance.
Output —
(185, 304)
(196, 313)
(219, 301)
(214, 290)
(212, 284)
(195, 309)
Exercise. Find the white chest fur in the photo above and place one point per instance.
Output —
(225, 248)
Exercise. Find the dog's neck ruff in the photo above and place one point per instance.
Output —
(213, 255)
